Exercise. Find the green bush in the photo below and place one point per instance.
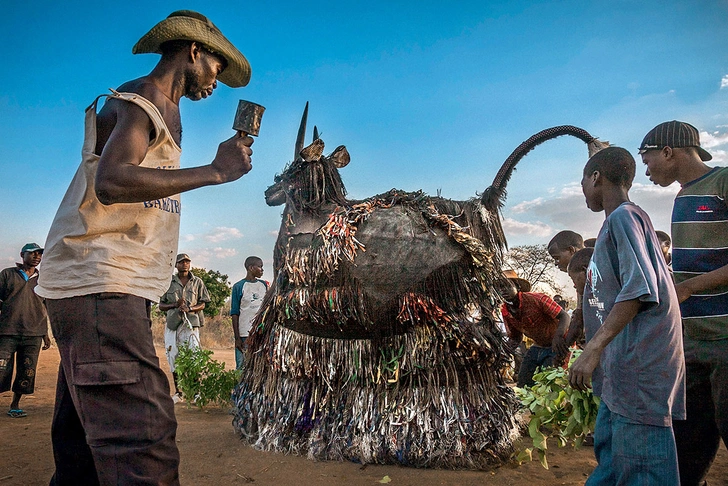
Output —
(202, 379)
(557, 410)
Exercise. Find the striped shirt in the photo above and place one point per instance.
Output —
(700, 245)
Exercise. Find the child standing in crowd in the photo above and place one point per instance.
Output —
(633, 356)
(578, 266)
(246, 299)
(665, 245)
(562, 248)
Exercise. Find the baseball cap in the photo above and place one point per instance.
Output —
(183, 256)
(31, 247)
(674, 134)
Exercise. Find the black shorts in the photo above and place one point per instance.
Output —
(21, 352)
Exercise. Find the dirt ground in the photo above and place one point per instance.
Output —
(212, 454)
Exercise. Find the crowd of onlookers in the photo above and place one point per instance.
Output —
(652, 324)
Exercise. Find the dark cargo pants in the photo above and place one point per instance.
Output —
(114, 419)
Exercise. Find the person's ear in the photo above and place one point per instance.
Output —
(596, 178)
(667, 152)
(195, 51)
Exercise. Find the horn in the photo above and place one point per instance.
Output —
(315, 133)
(300, 140)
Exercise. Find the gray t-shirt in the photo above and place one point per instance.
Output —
(641, 374)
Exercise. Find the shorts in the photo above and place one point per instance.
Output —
(22, 351)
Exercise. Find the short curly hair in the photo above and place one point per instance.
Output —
(580, 260)
(614, 163)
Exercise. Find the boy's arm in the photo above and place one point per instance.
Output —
(706, 281)
(576, 325)
(559, 344)
(236, 332)
(235, 315)
(621, 314)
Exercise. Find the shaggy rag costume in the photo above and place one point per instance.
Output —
(359, 360)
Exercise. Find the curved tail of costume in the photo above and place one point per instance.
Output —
(493, 198)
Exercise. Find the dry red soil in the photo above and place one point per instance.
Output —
(212, 454)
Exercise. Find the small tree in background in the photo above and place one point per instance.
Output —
(533, 263)
(218, 287)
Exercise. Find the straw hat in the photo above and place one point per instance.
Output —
(193, 26)
(522, 284)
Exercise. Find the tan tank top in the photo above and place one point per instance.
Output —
(125, 247)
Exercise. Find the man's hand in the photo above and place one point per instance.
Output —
(581, 370)
(233, 158)
(239, 344)
(46, 342)
(559, 346)
(576, 326)
(683, 291)
(512, 345)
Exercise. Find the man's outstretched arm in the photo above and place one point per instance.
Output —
(120, 179)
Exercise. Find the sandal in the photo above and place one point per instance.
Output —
(17, 413)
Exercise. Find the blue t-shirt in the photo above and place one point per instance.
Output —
(641, 374)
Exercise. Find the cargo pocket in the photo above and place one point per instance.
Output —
(106, 373)
(112, 402)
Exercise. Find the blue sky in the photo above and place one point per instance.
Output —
(425, 95)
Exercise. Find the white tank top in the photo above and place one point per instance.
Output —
(125, 247)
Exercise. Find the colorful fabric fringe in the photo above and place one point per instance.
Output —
(414, 380)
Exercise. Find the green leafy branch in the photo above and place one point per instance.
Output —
(203, 379)
(557, 410)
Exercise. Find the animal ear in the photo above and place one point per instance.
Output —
(340, 157)
(313, 152)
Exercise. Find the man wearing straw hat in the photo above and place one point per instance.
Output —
(110, 252)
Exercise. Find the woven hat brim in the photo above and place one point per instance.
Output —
(522, 284)
(236, 74)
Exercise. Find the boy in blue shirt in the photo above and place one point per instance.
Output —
(246, 299)
(633, 356)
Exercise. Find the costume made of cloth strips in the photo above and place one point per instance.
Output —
(125, 247)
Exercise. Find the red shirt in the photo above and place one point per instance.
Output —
(536, 317)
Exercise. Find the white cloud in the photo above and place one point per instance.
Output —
(223, 233)
(567, 210)
(201, 257)
(215, 235)
(715, 139)
(511, 227)
(724, 82)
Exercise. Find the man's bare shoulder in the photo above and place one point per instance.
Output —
(147, 89)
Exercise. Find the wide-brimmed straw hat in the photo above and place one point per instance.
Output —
(522, 284)
(193, 26)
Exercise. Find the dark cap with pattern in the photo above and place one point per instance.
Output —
(31, 247)
(674, 134)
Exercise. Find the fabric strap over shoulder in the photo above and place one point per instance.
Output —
(152, 111)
